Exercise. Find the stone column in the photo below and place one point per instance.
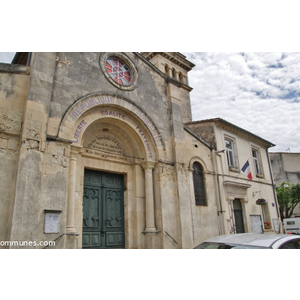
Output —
(150, 218)
(71, 195)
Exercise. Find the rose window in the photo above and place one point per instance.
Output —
(118, 71)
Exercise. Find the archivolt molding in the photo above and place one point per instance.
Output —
(89, 109)
(198, 159)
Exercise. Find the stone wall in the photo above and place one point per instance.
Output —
(14, 81)
(62, 117)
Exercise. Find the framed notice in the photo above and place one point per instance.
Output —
(276, 225)
(52, 221)
(256, 224)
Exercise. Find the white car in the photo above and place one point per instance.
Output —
(252, 241)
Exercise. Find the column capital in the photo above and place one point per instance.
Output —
(148, 165)
(75, 149)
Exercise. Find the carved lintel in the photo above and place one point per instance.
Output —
(236, 184)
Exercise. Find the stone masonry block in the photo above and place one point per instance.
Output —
(35, 106)
(19, 107)
(3, 143)
(6, 105)
(10, 120)
(13, 144)
(39, 116)
(3, 94)
(53, 126)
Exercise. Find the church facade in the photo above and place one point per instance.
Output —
(98, 150)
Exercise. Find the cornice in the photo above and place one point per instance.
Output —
(175, 57)
(234, 129)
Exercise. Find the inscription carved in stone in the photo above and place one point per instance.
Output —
(107, 146)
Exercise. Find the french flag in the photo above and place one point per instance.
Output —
(246, 169)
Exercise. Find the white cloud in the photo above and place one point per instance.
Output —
(259, 92)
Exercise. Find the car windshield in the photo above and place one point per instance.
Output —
(208, 245)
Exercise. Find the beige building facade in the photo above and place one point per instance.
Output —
(98, 150)
(235, 148)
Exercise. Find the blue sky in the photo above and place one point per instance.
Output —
(258, 91)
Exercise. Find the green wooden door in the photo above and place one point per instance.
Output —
(103, 210)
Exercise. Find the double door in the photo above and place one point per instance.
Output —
(103, 210)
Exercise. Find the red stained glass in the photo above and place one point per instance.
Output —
(118, 71)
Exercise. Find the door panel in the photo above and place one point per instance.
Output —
(103, 210)
(238, 215)
(256, 223)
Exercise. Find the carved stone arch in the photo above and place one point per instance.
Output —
(116, 139)
(90, 108)
(200, 160)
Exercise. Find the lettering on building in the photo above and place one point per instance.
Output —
(143, 136)
(78, 130)
(106, 147)
(79, 109)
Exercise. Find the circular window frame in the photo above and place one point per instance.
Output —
(125, 59)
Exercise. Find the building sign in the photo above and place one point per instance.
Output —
(78, 130)
(144, 138)
(276, 225)
(106, 147)
(100, 110)
(52, 221)
(84, 105)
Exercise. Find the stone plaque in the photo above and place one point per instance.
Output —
(107, 145)
(52, 221)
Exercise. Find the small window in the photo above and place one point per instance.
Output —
(256, 161)
(230, 153)
(174, 73)
(290, 223)
(199, 188)
(180, 77)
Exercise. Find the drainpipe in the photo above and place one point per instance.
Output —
(220, 209)
(274, 191)
(28, 59)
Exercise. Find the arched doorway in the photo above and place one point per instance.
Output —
(111, 142)
(111, 151)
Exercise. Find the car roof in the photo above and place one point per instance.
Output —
(252, 239)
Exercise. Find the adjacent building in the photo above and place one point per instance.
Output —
(98, 150)
(286, 168)
(243, 176)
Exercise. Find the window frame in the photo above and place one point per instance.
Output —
(257, 162)
(266, 216)
(199, 201)
(233, 152)
(130, 65)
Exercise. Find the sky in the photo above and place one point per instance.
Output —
(258, 91)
